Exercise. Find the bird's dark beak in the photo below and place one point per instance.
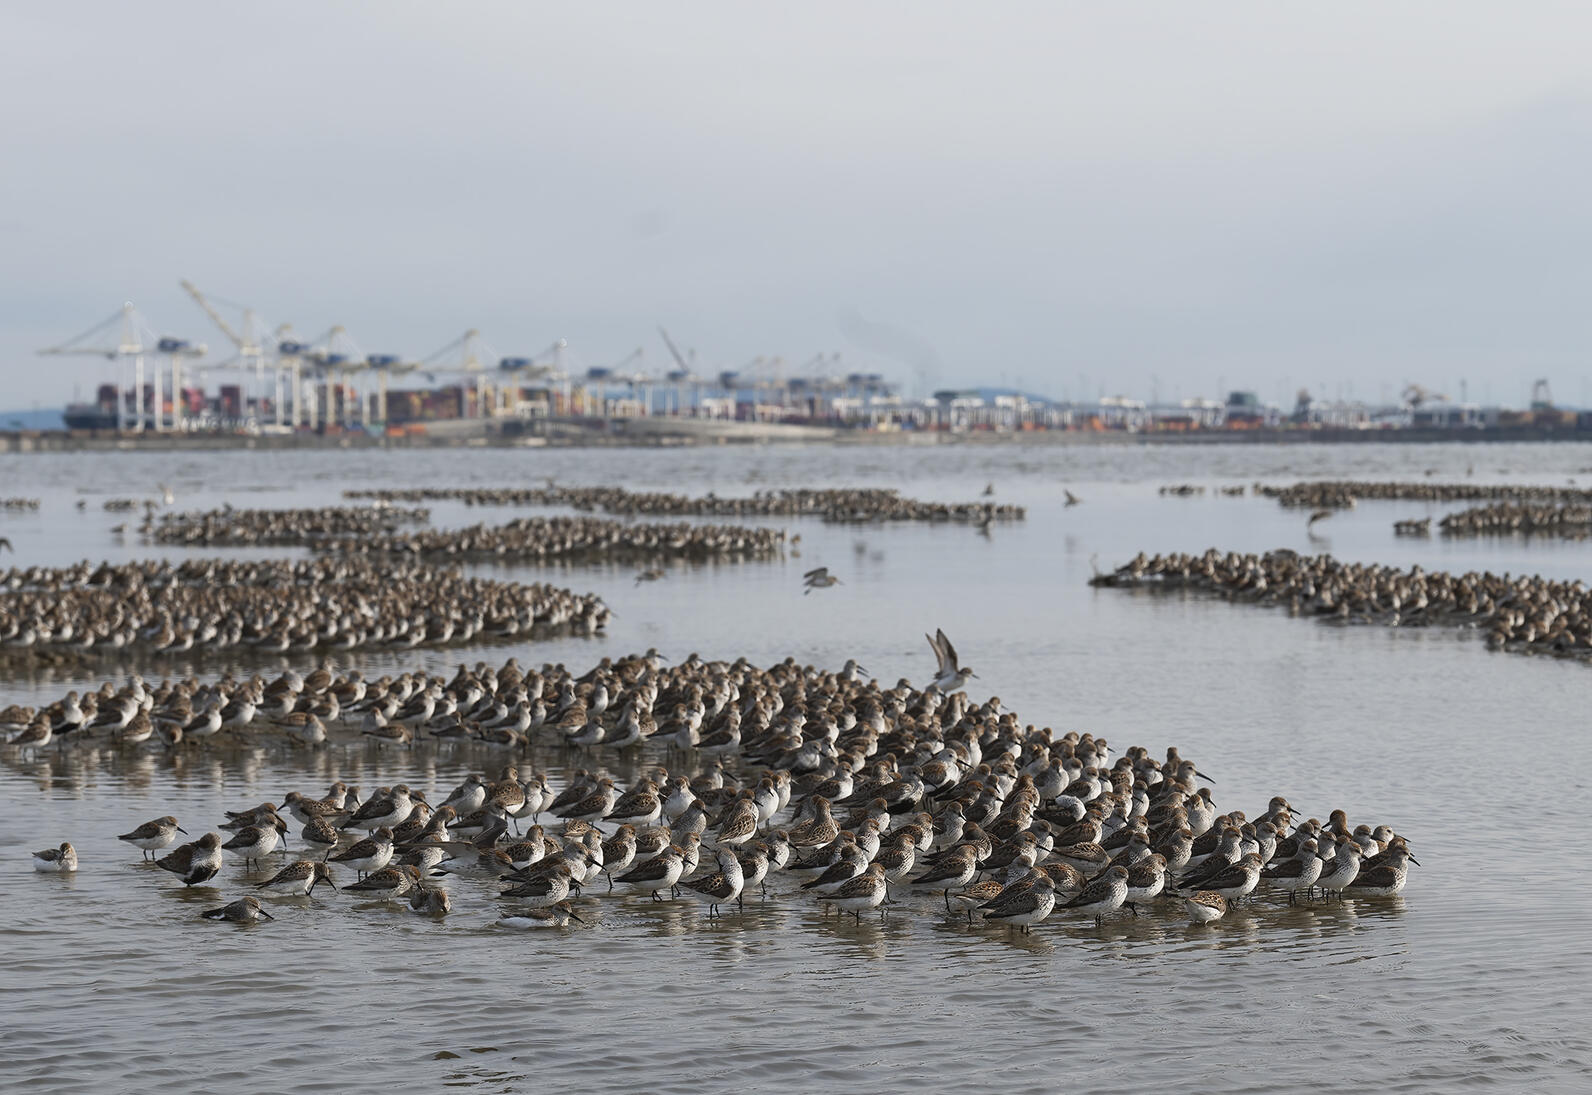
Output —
(1203, 776)
(181, 830)
(1415, 861)
(572, 916)
(267, 915)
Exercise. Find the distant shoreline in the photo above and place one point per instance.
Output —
(661, 433)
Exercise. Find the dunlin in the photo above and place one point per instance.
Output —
(298, 879)
(557, 915)
(430, 901)
(1205, 906)
(388, 883)
(1104, 895)
(194, 862)
(62, 860)
(152, 836)
(1024, 906)
(1385, 876)
(723, 885)
(369, 855)
(245, 910)
(254, 842)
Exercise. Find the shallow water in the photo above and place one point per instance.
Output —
(1474, 977)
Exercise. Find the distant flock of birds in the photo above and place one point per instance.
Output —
(273, 607)
(1507, 518)
(535, 539)
(230, 527)
(1343, 494)
(1527, 614)
(1194, 490)
(848, 504)
(857, 793)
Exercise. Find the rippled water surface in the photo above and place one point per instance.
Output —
(1475, 977)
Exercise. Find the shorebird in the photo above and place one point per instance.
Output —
(1105, 894)
(723, 885)
(254, 842)
(380, 810)
(556, 915)
(369, 855)
(194, 862)
(949, 675)
(152, 836)
(1296, 873)
(62, 860)
(430, 901)
(1341, 869)
(1385, 875)
(1022, 906)
(953, 872)
(388, 883)
(245, 910)
(298, 879)
(867, 891)
(1318, 515)
(661, 872)
(550, 884)
(818, 578)
(1237, 880)
(1204, 907)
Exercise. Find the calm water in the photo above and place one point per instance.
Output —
(1475, 977)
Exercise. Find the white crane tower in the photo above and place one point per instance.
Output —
(124, 337)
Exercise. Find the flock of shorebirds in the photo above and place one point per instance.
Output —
(778, 783)
(848, 504)
(536, 539)
(1526, 614)
(1507, 518)
(859, 795)
(1345, 493)
(70, 613)
(1508, 509)
(229, 527)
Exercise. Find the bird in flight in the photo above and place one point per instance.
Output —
(1072, 499)
(1318, 515)
(949, 676)
(818, 578)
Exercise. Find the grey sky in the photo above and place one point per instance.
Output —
(1257, 195)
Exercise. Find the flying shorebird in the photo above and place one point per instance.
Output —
(950, 676)
(818, 578)
(1072, 499)
(648, 576)
(1317, 516)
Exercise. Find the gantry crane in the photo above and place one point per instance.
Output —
(133, 339)
(126, 343)
(251, 342)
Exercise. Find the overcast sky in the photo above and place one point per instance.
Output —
(1175, 198)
